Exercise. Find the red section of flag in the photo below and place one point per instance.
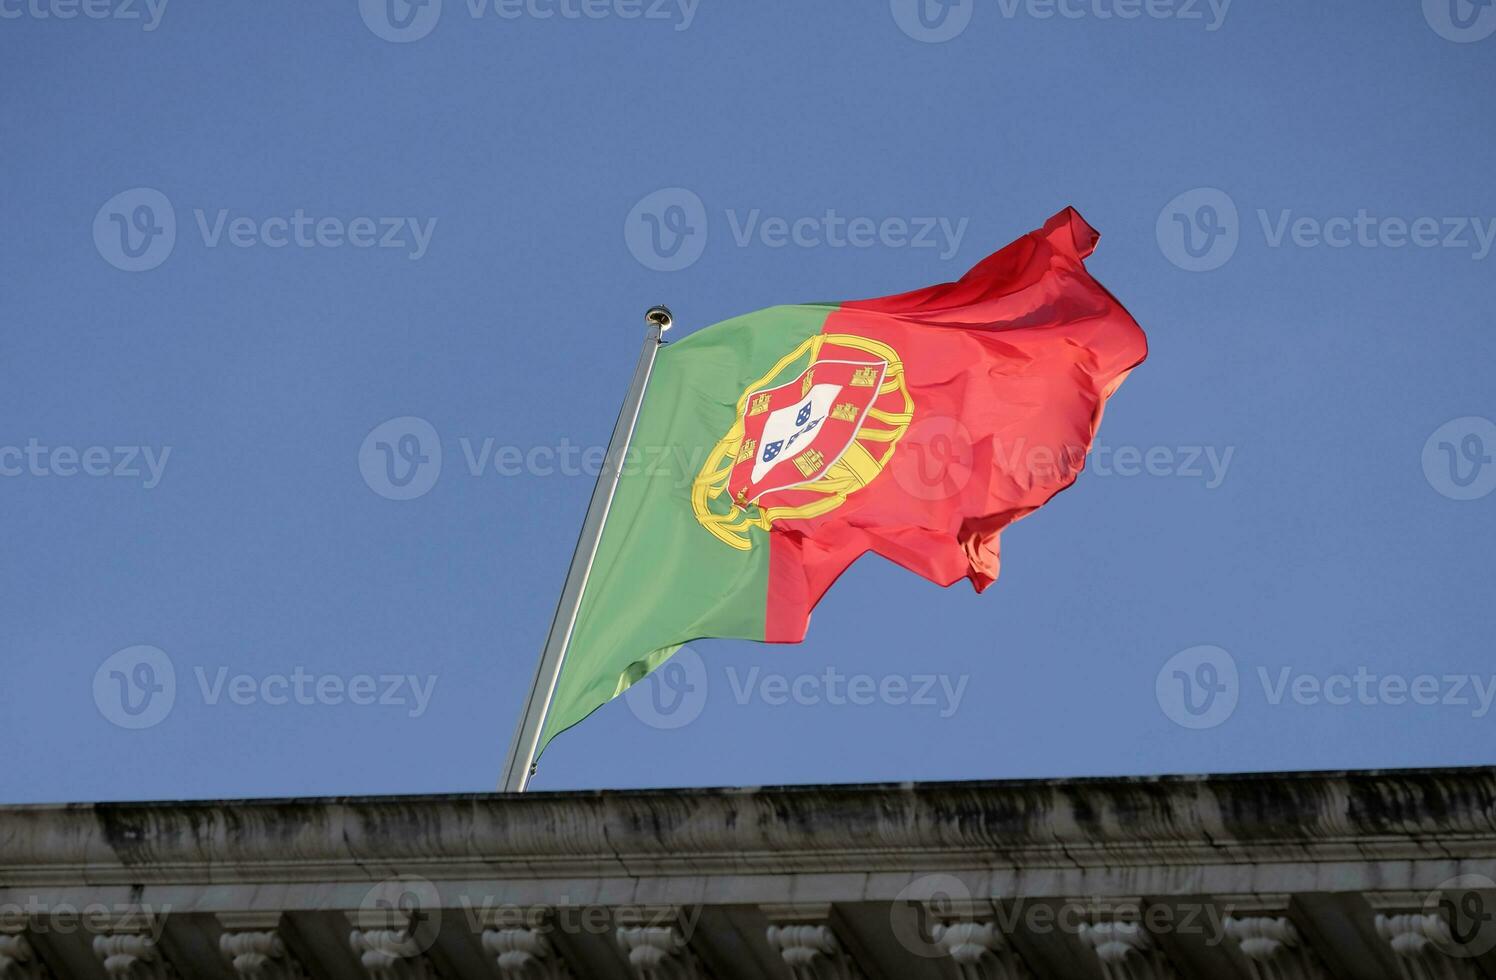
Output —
(1009, 369)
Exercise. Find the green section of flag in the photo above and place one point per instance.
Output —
(660, 579)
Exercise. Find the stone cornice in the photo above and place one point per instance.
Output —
(1053, 823)
(1213, 821)
(1369, 874)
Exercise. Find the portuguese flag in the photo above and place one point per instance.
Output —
(775, 449)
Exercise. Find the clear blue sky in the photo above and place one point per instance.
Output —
(238, 381)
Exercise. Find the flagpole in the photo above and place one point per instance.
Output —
(520, 765)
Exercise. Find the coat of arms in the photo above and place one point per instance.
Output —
(819, 426)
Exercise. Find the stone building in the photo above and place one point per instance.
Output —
(1347, 875)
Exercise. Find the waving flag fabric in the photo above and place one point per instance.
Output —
(916, 426)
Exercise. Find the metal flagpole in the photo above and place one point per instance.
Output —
(520, 765)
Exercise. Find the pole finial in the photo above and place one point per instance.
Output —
(660, 317)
